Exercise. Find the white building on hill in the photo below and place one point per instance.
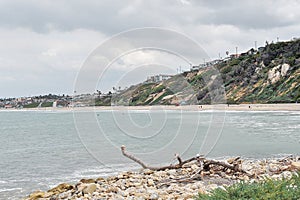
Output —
(158, 78)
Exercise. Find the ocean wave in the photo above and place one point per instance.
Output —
(9, 189)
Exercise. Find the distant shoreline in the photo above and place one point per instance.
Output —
(217, 107)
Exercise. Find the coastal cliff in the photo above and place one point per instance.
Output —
(268, 75)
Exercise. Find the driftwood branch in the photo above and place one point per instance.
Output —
(123, 149)
(145, 166)
(207, 164)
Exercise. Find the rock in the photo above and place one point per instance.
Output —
(274, 74)
(90, 189)
(148, 171)
(212, 186)
(194, 167)
(273, 167)
(88, 181)
(130, 191)
(201, 191)
(64, 195)
(150, 182)
(123, 193)
(284, 69)
(53, 197)
(295, 165)
(171, 172)
(231, 160)
(120, 176)
(287, 174)
(36, 195)
(154, 196)
(100, 179)
(284, 168)
(61, 188)
(113, 189)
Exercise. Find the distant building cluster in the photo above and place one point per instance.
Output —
(231, 56)
(36, 101)
(50, 100)
(158, 78)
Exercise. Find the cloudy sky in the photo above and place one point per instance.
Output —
(45, 43)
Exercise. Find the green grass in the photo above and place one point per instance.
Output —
(157, 89)
(166, 93)
(286, 189)
(32, 105)
(47, 104)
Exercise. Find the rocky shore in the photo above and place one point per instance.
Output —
(198, 176)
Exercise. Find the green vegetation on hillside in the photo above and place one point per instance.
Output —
(104, 101)
(271, 75)
(47, 104)
(32, 105)
(288, 189)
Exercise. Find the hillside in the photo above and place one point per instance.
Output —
(271, 75)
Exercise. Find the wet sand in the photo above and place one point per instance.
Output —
(217, 107)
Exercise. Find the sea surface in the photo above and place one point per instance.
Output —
(40, 149)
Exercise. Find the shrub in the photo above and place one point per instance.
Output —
(234, 62)
(291, 60)
(226, 69)
(32, 105)
(47, 104)
(158, 89)
(288, 189)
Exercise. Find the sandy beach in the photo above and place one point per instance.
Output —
(216, 107)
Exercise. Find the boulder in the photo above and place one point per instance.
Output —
(88, 181)
(36, 195)
(274, 74)
(90, 189)
(295, 165)
(154, 196)
(284, 69)
(61, 188)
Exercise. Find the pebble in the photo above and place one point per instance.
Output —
(158, 185)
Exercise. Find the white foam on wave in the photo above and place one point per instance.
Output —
(104, 171)
(9, 189)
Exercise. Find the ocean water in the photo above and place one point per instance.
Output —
(40, 149)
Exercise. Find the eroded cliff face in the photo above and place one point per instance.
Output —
(269, 76)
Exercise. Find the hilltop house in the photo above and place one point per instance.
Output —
(157, 78)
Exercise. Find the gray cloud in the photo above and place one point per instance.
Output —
(44, 43)
(114, 16)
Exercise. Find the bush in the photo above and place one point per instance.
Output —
(281, 99)
(47, 104)
(234, 62)
(158, 89)
(291, 60)
(166, 93)
(226, 69)
(288, 189)
(32, 105)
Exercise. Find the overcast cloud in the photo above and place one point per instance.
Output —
(44, 43)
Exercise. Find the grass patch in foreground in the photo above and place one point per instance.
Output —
(286, 189)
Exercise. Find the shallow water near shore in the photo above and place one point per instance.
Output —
(40, 149)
